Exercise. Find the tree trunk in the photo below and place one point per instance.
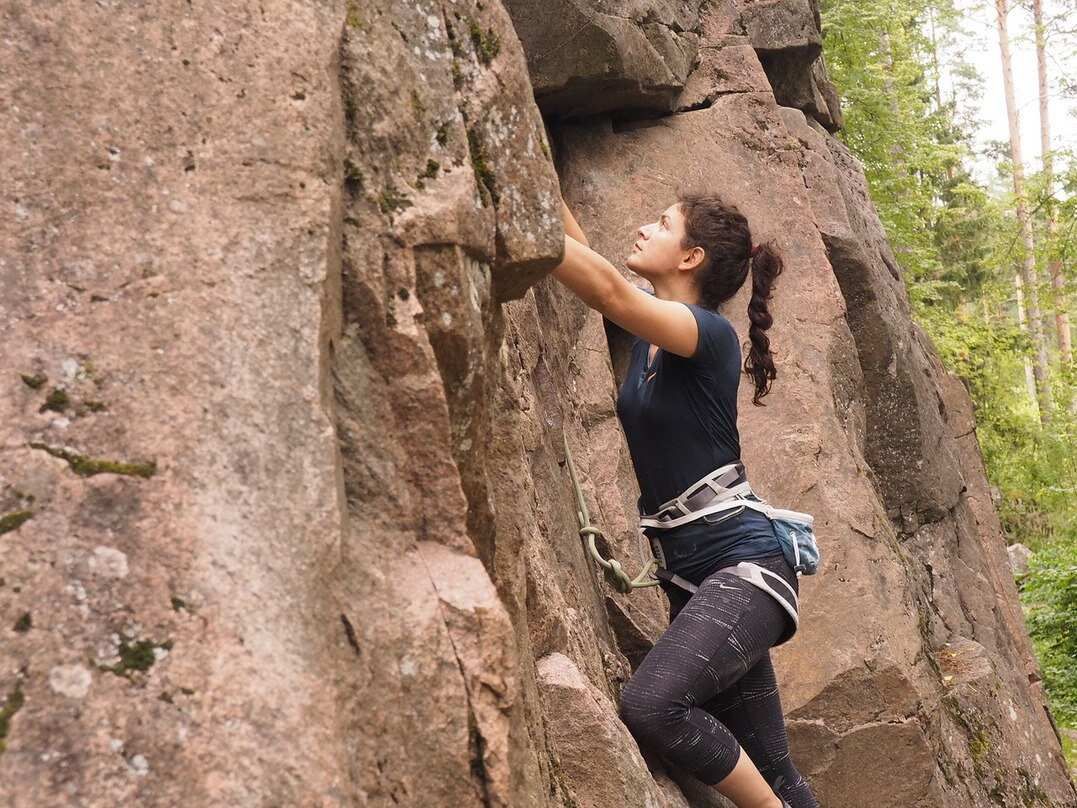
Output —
(1054, 263)
(1028, 264)
(897, 149)
(1030, 376)
(938, 87)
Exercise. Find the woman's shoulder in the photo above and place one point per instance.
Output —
(712, 316)
(718, 340)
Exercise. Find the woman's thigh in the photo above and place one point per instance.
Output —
(721, 632)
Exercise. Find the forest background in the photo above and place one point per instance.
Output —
(989, 260)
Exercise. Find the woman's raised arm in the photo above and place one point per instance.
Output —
(572, 227)
(665, 323)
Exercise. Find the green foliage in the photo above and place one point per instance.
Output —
(1049, 595)
(877, 56)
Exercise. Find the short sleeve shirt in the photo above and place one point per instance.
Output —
(679, 416)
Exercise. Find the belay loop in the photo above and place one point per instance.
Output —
(611, 567)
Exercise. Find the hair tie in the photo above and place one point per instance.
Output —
(756, 249)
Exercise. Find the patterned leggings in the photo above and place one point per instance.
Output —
(707, 688)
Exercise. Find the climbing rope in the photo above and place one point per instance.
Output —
(611, 567)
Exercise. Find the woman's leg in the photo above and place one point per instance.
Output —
(752, 710)
(712, 641)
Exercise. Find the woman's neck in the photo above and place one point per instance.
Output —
(679, 292)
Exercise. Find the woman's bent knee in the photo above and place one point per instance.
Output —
(650, 718)
(634, 709)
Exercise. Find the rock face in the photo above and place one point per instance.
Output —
(170, 267)
(599, 761)
(608, 56)
(283, 498)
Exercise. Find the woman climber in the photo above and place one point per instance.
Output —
(705, 697)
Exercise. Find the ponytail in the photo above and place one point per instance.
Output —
(722, 231)
(765, 266)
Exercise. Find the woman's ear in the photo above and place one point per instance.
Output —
(694, 259)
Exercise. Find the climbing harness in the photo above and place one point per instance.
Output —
(727, 488)
(724, 489)
(711, 494)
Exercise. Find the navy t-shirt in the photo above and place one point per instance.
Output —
(679, 416)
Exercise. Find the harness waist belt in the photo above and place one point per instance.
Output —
(717, 491)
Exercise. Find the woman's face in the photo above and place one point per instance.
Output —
(657, 250)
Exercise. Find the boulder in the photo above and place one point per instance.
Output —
(787, 36)
(1019, 557)
(727, 65)
(642, 58)
(904, 432)
(825, 104)
(599, 761)
(169, 268)
(624, 55)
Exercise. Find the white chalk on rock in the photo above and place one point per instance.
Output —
(139, 765)
(72, 681)
(109, 562)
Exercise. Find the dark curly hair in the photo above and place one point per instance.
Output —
(722, 231)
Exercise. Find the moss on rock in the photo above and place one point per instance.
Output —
(487, 43)
(11, 521)
(136, 656)
(57, 400)
(391, 200)
(353, 19)
(484, 175)
(12, 704)
(88, 466)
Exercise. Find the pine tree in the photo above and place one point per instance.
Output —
(1054, 263)
(1027, 275)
